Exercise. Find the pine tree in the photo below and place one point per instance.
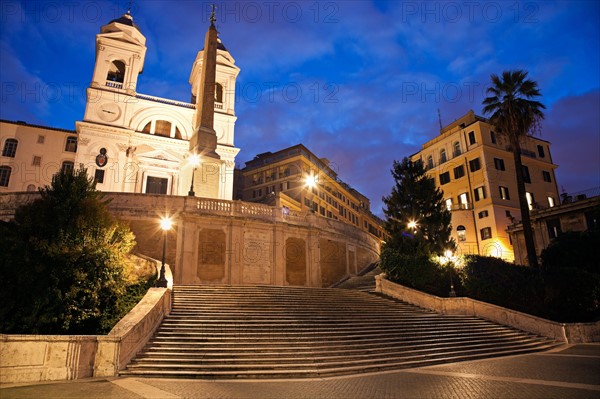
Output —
(415, 198)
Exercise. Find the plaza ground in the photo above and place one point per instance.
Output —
(569, 371)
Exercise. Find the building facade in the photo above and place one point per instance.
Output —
(474, 168)
(132, 142)
(579, 212)
(299, 181)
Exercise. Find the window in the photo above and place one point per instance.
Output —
(526, 176)
(67, 167)
(508, 214)
(483, 214)
(37, 161)
(99, 176)
(540, 149)
(530, 201)
(504, 193)
(445, 178)
(430, 162)
(551, 202)
(474, 165)
(463, 201)
(546, 176)
(459, 172)
(472, 137)
(116, 72)
(499, 164)
(493, 137)
(156, 185)
(479, 193)
(218, 93)
(461, 232)
(449, 204)
(162, 128)
(31, 187)
(71, 145)
(443, 156)
(553, 226)
(456, 149)
(486, 233)
(10, 148)
(5, 175)
(146, 128)
(41, 139)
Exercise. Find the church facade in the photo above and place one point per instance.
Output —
(132, 142)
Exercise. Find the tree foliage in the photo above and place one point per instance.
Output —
(63, 261)
(415, 197)
(516, 114)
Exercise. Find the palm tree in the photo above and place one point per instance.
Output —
(516, 115)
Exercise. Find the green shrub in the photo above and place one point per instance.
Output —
(417, 271)
(573, 250)
(572, 295)
(495, 281)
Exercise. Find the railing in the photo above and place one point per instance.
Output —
(461, 207)
(580, 195)
(165, 101)
(218, 105)
(116, 85)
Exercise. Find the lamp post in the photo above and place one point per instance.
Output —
(165, 225)
(413, 225)
(193, 160)
(311, 182)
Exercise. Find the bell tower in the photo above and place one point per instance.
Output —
(120, 54)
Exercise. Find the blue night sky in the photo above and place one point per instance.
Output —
(358, 82)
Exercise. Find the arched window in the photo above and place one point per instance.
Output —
(5, 175)
(456, 149)
(31, 187)
(443, 156)
(430, 162)
(162, 128)
(10, 148)
(116, 72)
(218, 93)
(461, 232)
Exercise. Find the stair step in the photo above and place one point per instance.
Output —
(283, 332)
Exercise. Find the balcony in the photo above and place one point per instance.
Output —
(461, 207)
(114, 85)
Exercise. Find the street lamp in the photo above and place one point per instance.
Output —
(311, 182)
(413, 225)
(165, 224)
(193, 160)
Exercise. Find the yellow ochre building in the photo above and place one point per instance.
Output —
(474, 168)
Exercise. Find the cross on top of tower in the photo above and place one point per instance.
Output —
(212, 15)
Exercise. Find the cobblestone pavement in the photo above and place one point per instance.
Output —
(571, 371)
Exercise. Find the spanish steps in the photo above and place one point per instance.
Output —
(291, 332)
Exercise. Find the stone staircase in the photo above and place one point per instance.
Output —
(285, 332)
(364, 282)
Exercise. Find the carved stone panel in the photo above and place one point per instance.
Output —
(295, 261)
(257, 257)
(211, 255)
(333, 261)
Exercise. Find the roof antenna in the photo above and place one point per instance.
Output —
(129, 7)
(440, 119)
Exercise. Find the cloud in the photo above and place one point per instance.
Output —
(573, 126)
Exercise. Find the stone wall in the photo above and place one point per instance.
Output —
(35, 358)
(564, 332)
(235, 242)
